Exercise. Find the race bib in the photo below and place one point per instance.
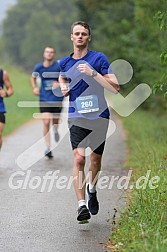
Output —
(48, 84)
(87, 104)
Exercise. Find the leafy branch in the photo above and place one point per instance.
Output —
(161, 85)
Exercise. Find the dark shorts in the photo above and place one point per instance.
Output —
(88, 133)
(2, 117)
(53, 108)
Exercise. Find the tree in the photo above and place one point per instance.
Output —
(126, 29)
(27, 32)
(161, 85)
(36, 38)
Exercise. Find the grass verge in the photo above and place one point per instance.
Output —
(142, 227)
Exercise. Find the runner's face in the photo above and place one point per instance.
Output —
(80, 36)
(49, 54)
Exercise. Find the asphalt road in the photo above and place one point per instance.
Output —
(37, 213)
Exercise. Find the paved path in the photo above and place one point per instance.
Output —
(35, 220)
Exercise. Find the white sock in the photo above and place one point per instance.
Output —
(92, 188)
(81, 203)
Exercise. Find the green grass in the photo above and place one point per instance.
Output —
(15, 115)
(142, 227)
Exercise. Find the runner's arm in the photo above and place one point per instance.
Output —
(108, 81)
(34, 87)
(64, 85)
(8, 85)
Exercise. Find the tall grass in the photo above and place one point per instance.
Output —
(142, 227)
(15, 115)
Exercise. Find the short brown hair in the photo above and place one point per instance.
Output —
(82, 23)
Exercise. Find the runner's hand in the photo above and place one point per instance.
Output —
(2, 93)
(85, 68)
(55, 84)
(36, 91)
(64, 89)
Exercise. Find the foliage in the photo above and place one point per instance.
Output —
(161, 85)
(161, 18)
(127, 30)
(112, 21)
(27, 32)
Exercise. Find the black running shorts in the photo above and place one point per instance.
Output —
(2, 117)
(88, 133)
(55, 107)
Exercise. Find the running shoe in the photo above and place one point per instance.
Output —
(83, 213)
(48, 153)
(93, 203)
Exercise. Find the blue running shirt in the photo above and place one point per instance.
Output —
(86, 99)
(48, 75)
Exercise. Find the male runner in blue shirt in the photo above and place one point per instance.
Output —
(84, 75)
(49, 94)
